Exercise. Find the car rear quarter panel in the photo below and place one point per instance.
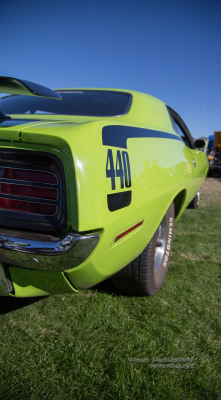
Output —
(160, 170)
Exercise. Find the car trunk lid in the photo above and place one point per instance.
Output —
(10, 129)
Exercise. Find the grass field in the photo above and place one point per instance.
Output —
(99, 344)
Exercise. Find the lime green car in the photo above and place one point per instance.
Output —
(91, 181)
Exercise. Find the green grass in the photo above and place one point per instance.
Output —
(81, 346)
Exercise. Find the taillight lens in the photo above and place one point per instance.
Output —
(27, 207)
(28, 191)
(28, 175)
(32, 191)
(28, 185)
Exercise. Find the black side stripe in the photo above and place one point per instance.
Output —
(117, 135)
(116, 201)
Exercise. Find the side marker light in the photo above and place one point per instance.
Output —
(118, 237)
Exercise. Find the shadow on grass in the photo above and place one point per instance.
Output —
(8, 304)
(109, 288)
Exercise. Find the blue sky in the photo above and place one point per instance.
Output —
(169, 49)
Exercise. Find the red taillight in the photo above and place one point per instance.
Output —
(32, 191)
(28, 191)
(18, 185)
(27, 207)
(28, 175)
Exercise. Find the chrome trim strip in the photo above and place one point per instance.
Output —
(52, 255)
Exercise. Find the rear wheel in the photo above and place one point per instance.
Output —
(145, 275)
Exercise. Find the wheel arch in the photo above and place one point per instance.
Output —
(179, 201)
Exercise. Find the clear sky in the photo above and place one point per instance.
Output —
(170, 49)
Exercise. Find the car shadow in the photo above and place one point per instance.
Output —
(106, 287)
(109, 288)
(8, 304)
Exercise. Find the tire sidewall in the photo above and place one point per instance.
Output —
(157, 278)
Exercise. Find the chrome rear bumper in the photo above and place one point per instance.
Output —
(46, 252)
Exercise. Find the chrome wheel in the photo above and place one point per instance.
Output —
(145, 275)
(195, 202)
(198, 199)
(160, 243)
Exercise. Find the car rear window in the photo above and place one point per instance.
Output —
(93, 103)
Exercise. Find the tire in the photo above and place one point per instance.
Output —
(145, 275)
(195, 202)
